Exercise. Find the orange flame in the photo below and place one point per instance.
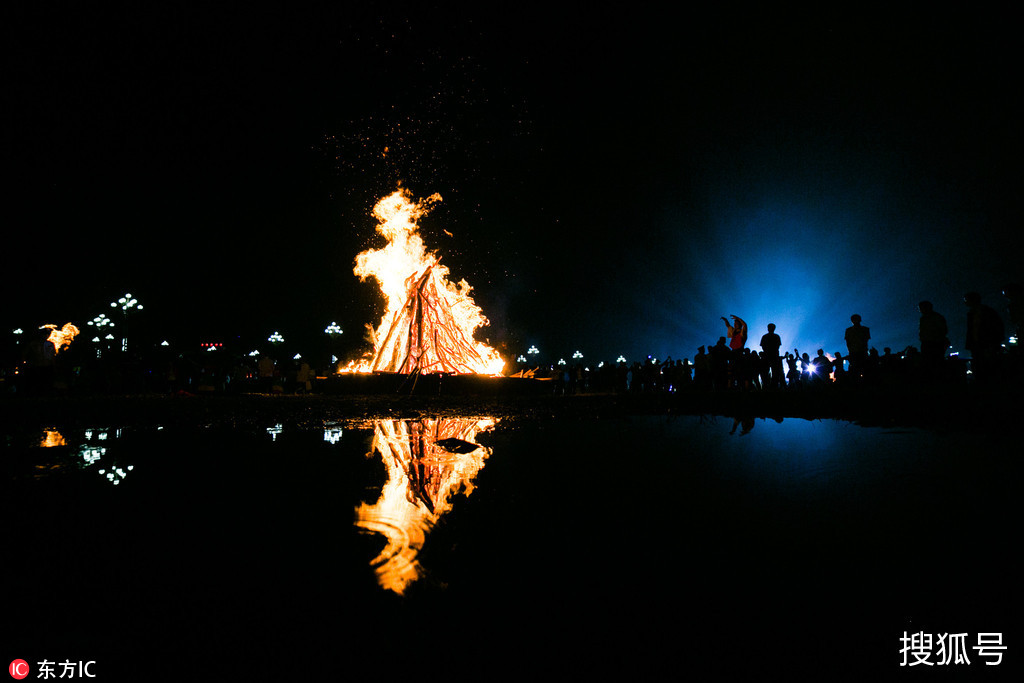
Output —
(429, 322)
(423, 477)
(60, 338)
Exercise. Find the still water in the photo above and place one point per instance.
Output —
(636, 545)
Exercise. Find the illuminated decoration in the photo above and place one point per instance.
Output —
(164, 343)
(577, 355)
(274, 431)
(211, 346)
(561, 361)
(126, 303)
(60, 338)
(429, 322)
(521, 359)
(332, 433)
(428, 462)
(621, 359)
(533, 351)
(275, 338)
(254, 353)
(333, 329)
(297, 357)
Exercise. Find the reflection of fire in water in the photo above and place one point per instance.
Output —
(429, 323)
(52, 438)
(428, 462)
(60, 338)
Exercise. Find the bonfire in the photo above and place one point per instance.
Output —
(429, 323)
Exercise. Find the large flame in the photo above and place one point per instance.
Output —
(424, 474)
(429, 322)
(60, 338)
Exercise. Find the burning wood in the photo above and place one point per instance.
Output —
(429, 323)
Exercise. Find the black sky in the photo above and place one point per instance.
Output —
(611, 179)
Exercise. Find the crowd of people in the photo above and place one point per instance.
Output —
(730, 364)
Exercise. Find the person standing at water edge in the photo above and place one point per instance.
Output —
(932, 331)
(770, 345)
(984, 336)
(857, 337)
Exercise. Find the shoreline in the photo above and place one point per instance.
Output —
(944, 408)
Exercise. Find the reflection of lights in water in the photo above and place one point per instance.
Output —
(332, 434)
(90, 454)
(90, 451)
(274, 431)
(423, 477)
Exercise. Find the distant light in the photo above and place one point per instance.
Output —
(164, 343)
(333, 329)
(533, 350)
(521, 359)
(561, 361)
(334, 359)
(296, 357)
(95, 339)
(254, 353)
(577, 355)
(19, 331)
(621, 359)
(600, 365)
(275, 338)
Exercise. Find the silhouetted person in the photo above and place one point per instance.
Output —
(933, 334)
(792, 374)
(737, 332)
(770, 345)
(720, 356)
(857, 337)
(839, 369)
(1015, 309)
(822, 368)
(702, 369)
(984, 336)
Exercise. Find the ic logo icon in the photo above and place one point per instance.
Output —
(19, 669)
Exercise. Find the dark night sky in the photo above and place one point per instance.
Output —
(612, 181)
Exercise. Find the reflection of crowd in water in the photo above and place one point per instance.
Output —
(730, 364)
